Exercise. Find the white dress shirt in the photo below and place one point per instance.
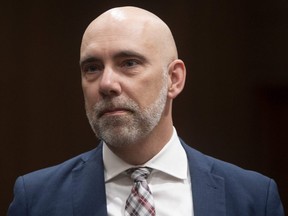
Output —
(169, 181)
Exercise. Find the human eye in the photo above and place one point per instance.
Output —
(130, 63)
(90, 68)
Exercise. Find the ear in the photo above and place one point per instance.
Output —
(177, 76)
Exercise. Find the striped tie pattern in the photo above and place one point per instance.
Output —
(140, 201)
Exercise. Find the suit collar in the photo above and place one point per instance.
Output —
(208, 189)
(170, 160)
(89, 196)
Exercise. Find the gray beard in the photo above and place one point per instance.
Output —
(119, 131)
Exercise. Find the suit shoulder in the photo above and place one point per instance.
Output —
(245, 187)
(46, 191)
(229, 171)
(59, 170)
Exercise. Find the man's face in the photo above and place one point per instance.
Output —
(124, 83)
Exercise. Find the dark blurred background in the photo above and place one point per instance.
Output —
(235, 103)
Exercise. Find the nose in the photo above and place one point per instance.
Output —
(109, 83)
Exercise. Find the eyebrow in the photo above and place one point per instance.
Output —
(88, 60)
(132, 54)
(121, 54)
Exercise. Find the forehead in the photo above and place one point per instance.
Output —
(108, 38)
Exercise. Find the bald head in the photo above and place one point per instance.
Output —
(133, 23)
(130, 76)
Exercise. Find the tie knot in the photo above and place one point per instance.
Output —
(139, 173)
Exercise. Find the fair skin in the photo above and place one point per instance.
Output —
(124, 53)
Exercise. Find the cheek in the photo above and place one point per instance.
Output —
(148, 92)
(91, 95)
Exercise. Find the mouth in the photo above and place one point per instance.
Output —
(114, 112)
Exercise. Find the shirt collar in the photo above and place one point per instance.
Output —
(171, 160)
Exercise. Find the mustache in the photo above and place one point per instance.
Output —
(115, 104)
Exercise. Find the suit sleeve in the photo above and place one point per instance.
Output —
(18, 207)
(274, 206)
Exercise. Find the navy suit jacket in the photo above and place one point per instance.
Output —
(76, 187)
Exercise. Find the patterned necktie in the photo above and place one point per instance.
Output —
(140, 201)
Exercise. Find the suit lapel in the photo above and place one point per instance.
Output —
(89, 196)
(208, 190)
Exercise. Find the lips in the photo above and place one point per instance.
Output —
(113, 111)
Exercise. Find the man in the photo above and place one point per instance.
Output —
(130, 75)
